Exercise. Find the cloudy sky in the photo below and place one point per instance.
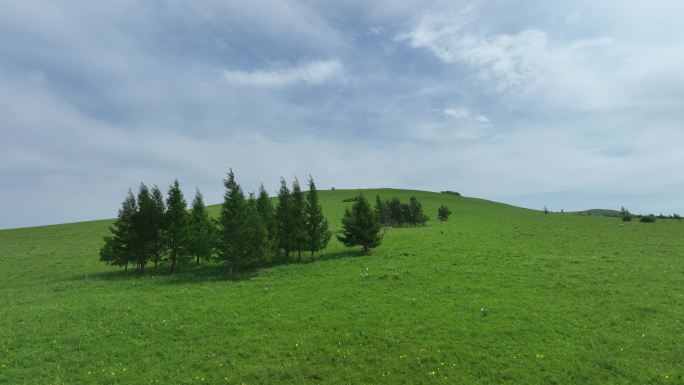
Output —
(570, 105)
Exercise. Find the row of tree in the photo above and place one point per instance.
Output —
(250, 231)
(392, 212)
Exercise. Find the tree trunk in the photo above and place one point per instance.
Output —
(126, 266)
(198, 259)
(365, 248)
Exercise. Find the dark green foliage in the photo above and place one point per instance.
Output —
(382, 208)
(234, 222)
(144, 228)
(317, 232)
(158, 223)
(443, 213)
(360, 226)
(347, 200)
(650, 218)
(256, 236)
(451, 193)
(416, 214)
(119, 248)
(298, 220)
(176, 229)
(676, 216)
(397, 214)
(266, 211)
(202, 231)
(546, 211)
(284, 221)
(625, 215)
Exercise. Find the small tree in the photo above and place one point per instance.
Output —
(443, 213)
(650, 218)
(298, 219)
(283, 219)
(266, 211)
(360, 226)
(158, 222)
(382, 208)
(233, 238)
(177, 232)
(119, 248)
(144, 227)
(256, 235)
(546, 211)
(416, 215)
(202, 231)
(624, 213)
(317, 232)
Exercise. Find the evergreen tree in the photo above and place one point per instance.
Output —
(266, 211)
(201, 240)
(233, 222)
(625, 214)
(119, 248)
(443, 213)
(416, 215)
(396, 212)
(298, 219)
(318, 234)
(158, 223)
(360, 226)
(382, 209)
(177, 232)
(144, 229)
(283, 219)
(256, 235)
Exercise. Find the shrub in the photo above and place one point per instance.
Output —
(650, 218)
(451, 193)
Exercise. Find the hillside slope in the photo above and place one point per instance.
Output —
(496, 295)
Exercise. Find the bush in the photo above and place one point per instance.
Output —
(648, 218)
(451, 193)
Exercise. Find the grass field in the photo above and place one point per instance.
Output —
(496, 295)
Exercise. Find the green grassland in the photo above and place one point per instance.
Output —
(496, 295)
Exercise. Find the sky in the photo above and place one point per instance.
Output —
(568, 105)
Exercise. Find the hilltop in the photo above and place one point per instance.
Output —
(496, 295)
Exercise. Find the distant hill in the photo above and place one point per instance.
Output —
(601, 212)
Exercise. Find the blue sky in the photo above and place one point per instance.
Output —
(569, 105)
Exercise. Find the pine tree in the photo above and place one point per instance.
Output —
(382, 208)
(233, 243)
(158, 223)
(144, 229)
(176, 226)
(360, 226)
(201, 240)
(256, 235)
(396, 212)
(317, 232)
(417, 217)
(283, 219)
(266, 211)
(298, 219)
(443, 213)
(119, 248)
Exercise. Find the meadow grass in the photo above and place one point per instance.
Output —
(495, 295)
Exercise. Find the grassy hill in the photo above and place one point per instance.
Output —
(496, 295)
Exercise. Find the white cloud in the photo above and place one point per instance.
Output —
(316, 72)
(602, 73)
(462, 113)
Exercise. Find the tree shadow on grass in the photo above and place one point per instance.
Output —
(187, 274)
(207, 272)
